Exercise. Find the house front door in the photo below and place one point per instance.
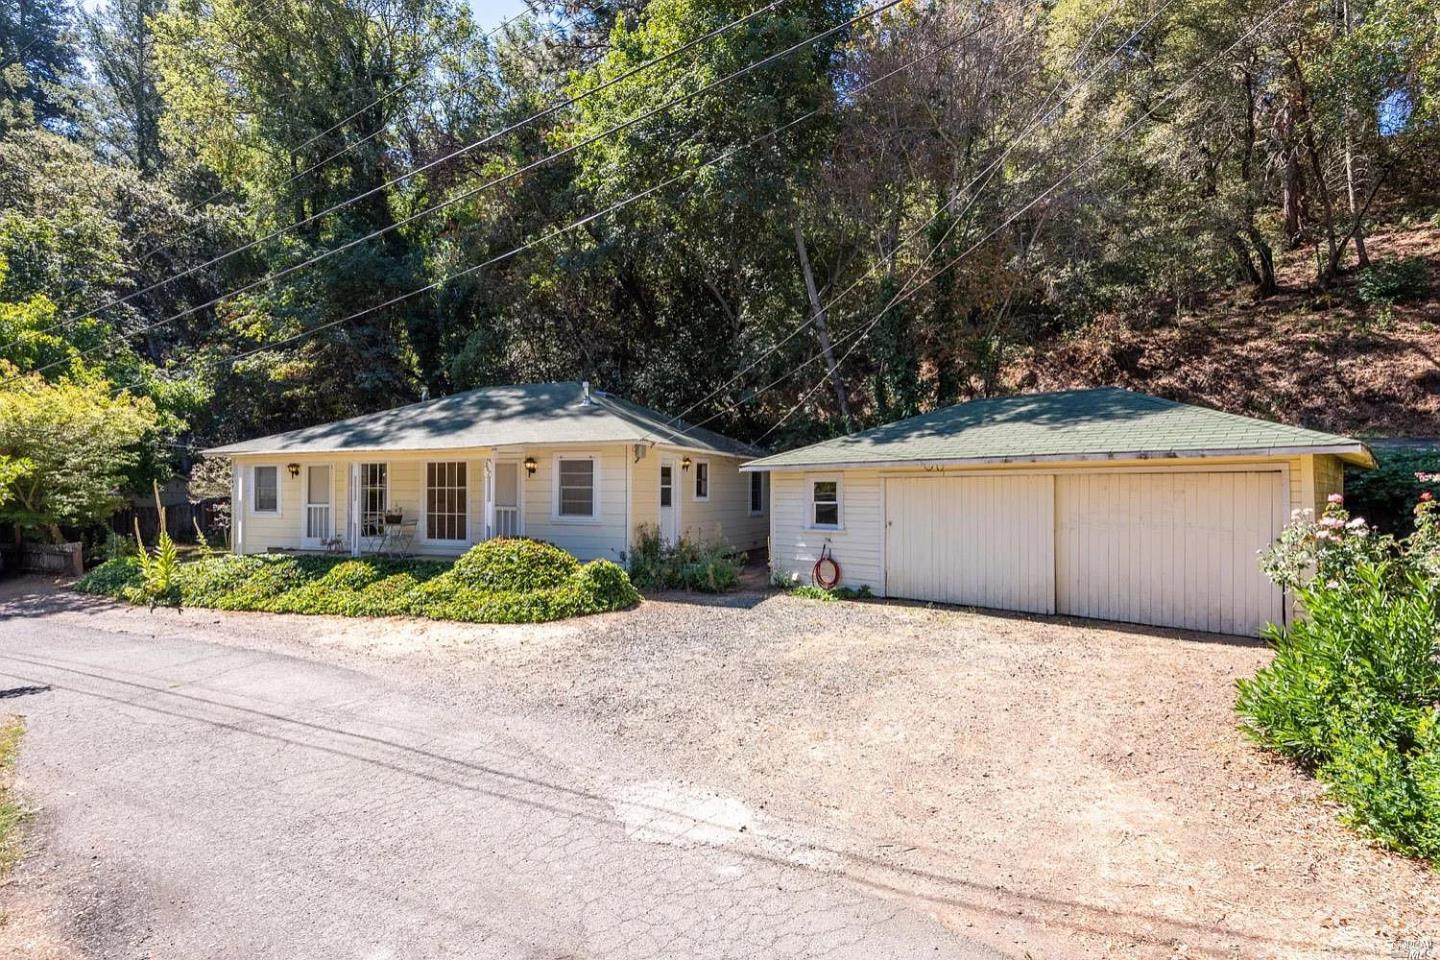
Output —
(317, 504)
(669, 507)
(507, 498)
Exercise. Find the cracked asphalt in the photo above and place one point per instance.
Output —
(201, 794)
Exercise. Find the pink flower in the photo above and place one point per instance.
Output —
(1335, 498)
(1426, 497)
(1357, 524)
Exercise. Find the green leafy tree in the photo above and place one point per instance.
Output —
(77, 441)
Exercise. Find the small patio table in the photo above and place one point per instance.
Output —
(397, 539)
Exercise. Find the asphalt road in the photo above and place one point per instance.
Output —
(201, 797)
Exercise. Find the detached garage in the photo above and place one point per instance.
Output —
(1093, 503)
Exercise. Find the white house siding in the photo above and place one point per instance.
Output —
(629, 492)
(604, 537)
(859, 547)
(725, 515)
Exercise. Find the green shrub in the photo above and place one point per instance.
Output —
(1385, 495)
(112, 578)
(1352, 691)
(374, 587)
(514, 564)
(1394, 281)
(1366, 646)
(810, 591)
(707, 566)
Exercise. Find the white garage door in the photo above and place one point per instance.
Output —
(1169, 549)
(979, 541)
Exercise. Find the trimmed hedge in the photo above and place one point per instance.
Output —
(507, 581)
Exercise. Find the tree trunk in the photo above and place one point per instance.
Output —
(822, 329)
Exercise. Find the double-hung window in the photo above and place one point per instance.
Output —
(825, 503)
(576, 488)
(757, 494)
(702, 480)
(446, 502)
(266, 487)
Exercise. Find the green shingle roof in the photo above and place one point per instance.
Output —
(531, 413)
(1106, 423)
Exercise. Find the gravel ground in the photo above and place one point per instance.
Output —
(1043, 787)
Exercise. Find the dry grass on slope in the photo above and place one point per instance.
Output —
(1318, 360)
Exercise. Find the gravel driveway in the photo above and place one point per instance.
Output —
(763, 776)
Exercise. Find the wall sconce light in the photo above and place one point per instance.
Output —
(530, 466)
(293, 468)
(684, 463)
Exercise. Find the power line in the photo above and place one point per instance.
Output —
(986, 173)
(568, 227)
(563, 104)
(861, 333)
(317, 164)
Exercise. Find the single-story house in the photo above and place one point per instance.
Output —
(554, 461)
(1094, 503)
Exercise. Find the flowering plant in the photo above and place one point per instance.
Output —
(1329, 548)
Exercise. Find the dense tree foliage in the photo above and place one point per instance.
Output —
(259, 215)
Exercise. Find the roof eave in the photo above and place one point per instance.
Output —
(1354, 452)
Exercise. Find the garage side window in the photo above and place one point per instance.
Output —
(825, 504)
(267, 490)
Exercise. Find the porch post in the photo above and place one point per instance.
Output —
(490, 496)
(353, 519)
(237, 507)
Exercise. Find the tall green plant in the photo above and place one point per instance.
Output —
(158, 567)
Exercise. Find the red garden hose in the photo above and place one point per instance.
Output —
(826, 572)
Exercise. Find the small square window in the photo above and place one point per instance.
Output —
(267, 490)
(825, 503)
(702, 480)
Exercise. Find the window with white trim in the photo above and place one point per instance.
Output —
(446, 501)
(374, 498)
(757, 494)
(702, 480)
(825, 504)
(266, 484)
(575, 493)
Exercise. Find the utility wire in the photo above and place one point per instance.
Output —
(573, 225)
(861, 333)
(986, 173)
(172, 244)
(461, 151)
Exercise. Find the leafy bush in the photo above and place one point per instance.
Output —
(1394, 281)
(810, 591)
(373, 587)
(1352, 691)
(708, 566)
(514, 564)
(1386, 494)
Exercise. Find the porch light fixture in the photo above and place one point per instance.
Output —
(530, 466)
(293, 469)
(684, 463)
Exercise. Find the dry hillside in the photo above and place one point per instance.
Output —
(1321, 360)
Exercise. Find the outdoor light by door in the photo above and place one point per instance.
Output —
(684, 463)
(293, 468)
(530, 466)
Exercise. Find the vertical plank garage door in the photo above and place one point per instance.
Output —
(1170, 549)
(979, 541)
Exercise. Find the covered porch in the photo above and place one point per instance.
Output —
(416, 504)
